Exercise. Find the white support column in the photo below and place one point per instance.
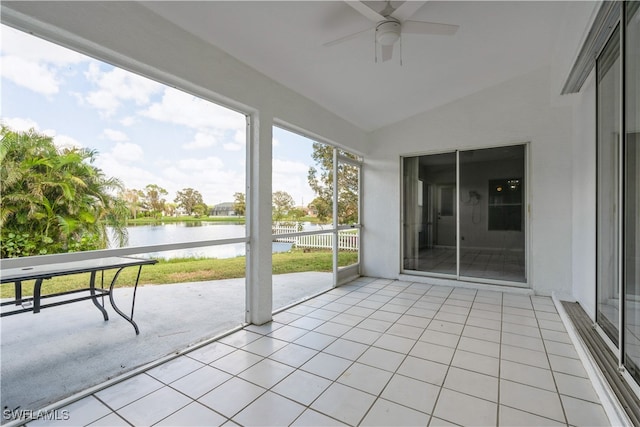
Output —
(259, 301)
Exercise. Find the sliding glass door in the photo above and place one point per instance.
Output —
(464, 214)
(429, 213)
(618, 189)
(492, 233)
(608, 188)
(632, 191)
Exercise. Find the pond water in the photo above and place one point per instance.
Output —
(146, 235)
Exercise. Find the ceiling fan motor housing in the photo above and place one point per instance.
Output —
(388, 32)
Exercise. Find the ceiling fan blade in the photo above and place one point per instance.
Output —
(386, 52)
(346, 38)
(407, 9)
(365, 10)
(432, 28)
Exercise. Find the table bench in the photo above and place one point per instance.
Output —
(39, 273)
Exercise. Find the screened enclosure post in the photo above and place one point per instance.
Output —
(258, 220)
(335, 217)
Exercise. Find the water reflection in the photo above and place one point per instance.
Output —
(194, 231)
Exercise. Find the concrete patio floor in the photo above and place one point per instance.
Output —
(64, 350)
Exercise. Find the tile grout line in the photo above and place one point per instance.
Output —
(435, 404)
(308, 407)
(395, 372)
(270, 389)
(555, 383)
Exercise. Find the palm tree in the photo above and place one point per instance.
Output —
(54, 200)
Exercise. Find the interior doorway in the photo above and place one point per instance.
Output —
(446, 216)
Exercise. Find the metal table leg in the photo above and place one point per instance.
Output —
(92, 290)
(37, 290)
(133, 301)
(18, 292)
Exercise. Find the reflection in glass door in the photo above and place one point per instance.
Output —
(632, 191)
(429, 187)
(492, 233)
(608, 188)
(481, 216)
(446, 219)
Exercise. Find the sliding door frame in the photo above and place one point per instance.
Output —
(526, 211)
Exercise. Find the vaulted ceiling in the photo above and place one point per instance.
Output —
(285, 40)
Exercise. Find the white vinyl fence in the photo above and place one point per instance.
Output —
(347, 239)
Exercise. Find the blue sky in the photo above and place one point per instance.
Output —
(144, 132)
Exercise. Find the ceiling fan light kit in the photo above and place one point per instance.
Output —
(388, 32)
(391, 23)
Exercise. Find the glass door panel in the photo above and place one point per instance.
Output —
(429, 212)
(608, 187)
(632, 192)
(492, 220)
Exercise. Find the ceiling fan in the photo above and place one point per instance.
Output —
(391, 23)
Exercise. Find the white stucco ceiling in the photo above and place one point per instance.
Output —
(284, 40)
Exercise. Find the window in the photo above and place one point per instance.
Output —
(505, 204)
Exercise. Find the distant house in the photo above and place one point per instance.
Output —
(223, 209)
(311, 211)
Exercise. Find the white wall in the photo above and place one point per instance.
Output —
(516, 111)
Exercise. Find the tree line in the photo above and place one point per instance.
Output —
(55, 200)
(151, 202)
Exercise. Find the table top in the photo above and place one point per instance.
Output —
(46, 271)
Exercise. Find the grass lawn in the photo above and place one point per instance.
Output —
(194, 270)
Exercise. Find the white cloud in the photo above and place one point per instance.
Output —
(233, 146)
(117, 86)
(128, 121)
(32, 75)
(201, 140)
(239, 141)
(127, 152)
(123, 162)
(240, 137)
(15, 42)
(65, 141)
(19, 124)
(275, 142)
(291, 176)
(33, 63)
(288, 167)
(114, 135)
(131, 175)
(180, 108)
(207, 163)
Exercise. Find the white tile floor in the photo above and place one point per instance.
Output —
(374, 352)
(495, 264)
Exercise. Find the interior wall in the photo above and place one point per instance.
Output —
(517, 111)
(584, 197)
